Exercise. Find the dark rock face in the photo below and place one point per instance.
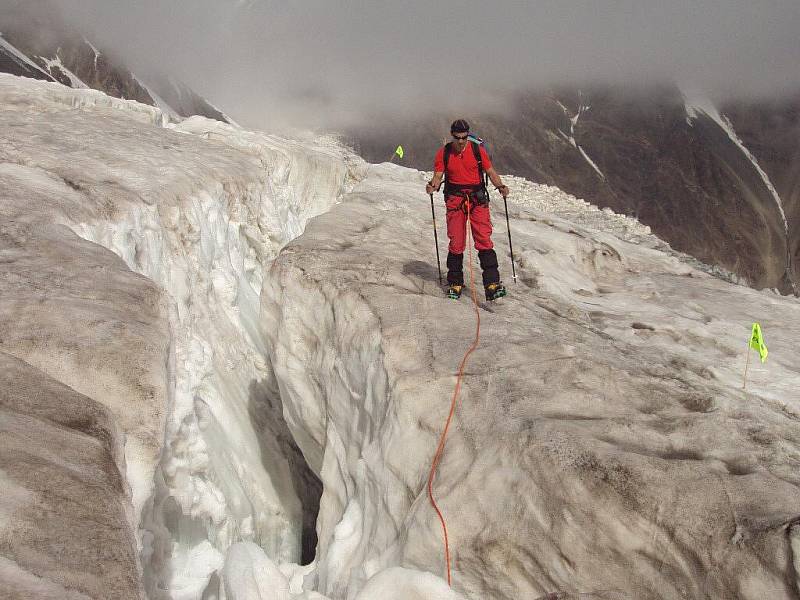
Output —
(39, 32)
(772, 133)
(638, 152)
(11, 63)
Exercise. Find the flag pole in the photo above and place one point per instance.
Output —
(746, 364)
(398, 152)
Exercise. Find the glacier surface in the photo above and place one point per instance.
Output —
(214, 340)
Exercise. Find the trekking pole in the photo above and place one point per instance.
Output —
(510, 247)
(436, 240)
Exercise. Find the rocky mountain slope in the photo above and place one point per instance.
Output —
(213, 337)
(645, 153)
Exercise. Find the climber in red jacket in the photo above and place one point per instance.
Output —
(462, 163)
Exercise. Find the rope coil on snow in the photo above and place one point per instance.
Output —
(440, 449)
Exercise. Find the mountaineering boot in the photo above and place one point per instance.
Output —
(495, 291)
(454, 291)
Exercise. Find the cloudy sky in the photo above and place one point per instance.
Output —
(329, 63)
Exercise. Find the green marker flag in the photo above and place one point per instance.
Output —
(399, 151)
(757, 342)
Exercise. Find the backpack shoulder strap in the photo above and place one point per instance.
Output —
(476, 150)
(448, 150)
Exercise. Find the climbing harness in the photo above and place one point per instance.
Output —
(462, 206)
(440, 448)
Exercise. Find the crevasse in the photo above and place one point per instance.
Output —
(219, 479)
(341, 423)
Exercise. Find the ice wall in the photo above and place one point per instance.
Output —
(200, 208)
(220, 479)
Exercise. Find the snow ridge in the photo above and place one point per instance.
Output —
(363, 346)
(203, 223)
(159, 101)
(13, 50)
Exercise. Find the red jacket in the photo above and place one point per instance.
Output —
(462, 169)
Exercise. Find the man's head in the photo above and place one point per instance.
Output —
(460, 131)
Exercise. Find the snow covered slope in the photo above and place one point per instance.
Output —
(204, 325)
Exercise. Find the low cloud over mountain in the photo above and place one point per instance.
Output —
(318, 63)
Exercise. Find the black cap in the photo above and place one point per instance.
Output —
(459, 126)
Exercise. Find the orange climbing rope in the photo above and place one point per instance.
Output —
(440, 449)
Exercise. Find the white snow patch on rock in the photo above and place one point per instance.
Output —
(573, 120)
(74, 80)
(698, 104)
(19, 55)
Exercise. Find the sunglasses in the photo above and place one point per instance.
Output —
(460, 138)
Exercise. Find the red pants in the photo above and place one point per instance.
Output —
(457, 225)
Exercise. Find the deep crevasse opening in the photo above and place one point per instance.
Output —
(230, 469)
